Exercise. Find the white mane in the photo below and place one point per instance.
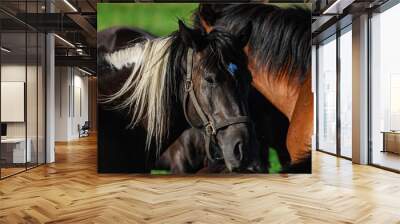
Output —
(143, 92)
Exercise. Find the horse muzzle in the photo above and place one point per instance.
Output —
(234, 141)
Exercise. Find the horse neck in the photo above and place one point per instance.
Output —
(280, 92)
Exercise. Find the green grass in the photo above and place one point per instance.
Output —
(157, 18)
(275, 165)
(160, 172)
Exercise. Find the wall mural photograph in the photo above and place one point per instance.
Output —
(199, 111)
(204, 88)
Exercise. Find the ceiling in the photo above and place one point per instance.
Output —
(76, 22)
(73, 21)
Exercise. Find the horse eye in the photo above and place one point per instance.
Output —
(209, 79)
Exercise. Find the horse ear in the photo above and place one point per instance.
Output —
(244, 35)
(190, 37)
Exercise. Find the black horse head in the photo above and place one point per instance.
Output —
(220, 82)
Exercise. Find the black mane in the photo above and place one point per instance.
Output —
(280, 40)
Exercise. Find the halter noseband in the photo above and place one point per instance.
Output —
(210, 126)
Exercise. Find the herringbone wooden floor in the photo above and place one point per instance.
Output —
(71, 191)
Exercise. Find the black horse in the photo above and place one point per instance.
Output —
(176, 82)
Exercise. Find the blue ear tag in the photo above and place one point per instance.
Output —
(232, 68)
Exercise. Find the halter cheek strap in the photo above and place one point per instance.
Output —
(210, 127)
(189, 92)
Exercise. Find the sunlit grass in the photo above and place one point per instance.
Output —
(157, 18)
(275, 165)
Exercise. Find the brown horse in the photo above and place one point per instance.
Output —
(279, 58)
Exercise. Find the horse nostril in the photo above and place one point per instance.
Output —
(237, 152)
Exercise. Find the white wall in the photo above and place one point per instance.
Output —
(80, 103)
(16, 73)
(71, 102)
(33, 126)
(13, 73)
(61, 103)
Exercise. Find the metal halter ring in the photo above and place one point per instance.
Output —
(210, 129)
(188, 85)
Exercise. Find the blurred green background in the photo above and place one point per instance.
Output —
(160, 19)
(157, 18)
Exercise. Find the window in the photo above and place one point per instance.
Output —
(346, 92)
(22, 77)
(385, 89)
(327, 96)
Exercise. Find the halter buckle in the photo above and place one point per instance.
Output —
(210, 129)
(188, 85)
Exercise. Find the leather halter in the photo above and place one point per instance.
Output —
(210, 127)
